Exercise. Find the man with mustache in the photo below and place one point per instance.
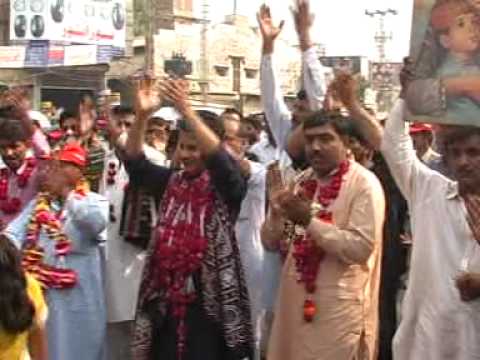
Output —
(20, 169)
(440, 317)
(329, 224)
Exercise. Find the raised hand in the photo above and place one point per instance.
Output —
(274, 179)
(176, 91)
(147, 96)
(303, 22)
(331, 101)
(468, 284)
(268, 30)
(87, 115)
(303, 18)
(295, 207)
(345, 88)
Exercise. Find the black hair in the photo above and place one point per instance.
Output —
(212, 120)
(233, 111)
(455, 134)
(66, 115)
(255, 121)
(158, 121)
(302, 95)
(120, 110)
(16, 309)
(341, 124)
(12, 131)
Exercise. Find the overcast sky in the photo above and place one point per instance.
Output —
(341, 25)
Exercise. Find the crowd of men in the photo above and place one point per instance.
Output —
(286, 235)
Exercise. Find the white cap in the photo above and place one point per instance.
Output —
(168, 114)
(40, 118)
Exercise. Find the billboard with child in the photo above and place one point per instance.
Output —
(445, 50)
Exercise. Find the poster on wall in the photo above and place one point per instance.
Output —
(98, 22)
(445, 47)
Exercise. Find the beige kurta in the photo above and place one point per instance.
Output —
(346, 324)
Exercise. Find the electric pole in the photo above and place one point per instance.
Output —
(385, 92)
(381, 36)
(205, 67)
(150, 12)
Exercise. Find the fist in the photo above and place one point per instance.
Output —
(468, 284)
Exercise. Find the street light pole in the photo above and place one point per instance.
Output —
(205, 67)
(381, 37)
(150, 9)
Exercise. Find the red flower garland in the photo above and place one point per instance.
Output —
(181, 246)
(14, 205)
(308, 256)
(33, 254)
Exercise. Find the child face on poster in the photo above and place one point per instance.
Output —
(475, 4)
(462, 37)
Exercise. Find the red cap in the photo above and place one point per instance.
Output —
(73, 153)
(416, 128)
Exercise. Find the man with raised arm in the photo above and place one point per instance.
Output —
(280, 119)
(440, 317)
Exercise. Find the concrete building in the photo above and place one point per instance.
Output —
(225, 57)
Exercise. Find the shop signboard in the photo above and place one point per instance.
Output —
(12, 56)
(99, 22)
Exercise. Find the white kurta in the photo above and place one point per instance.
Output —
(436, 324)
(124, 262)
(247, 229)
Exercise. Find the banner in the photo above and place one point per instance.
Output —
(37, 54)
(99, 22)
(56, 55)
(445, 45)
(12, 56)
(76, 55)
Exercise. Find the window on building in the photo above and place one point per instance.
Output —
(221, 70)
(237, 73)
(251, 73)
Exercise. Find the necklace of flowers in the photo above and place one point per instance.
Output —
(46, 219)
(14, 205)
(307, 255)
(181, 245)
